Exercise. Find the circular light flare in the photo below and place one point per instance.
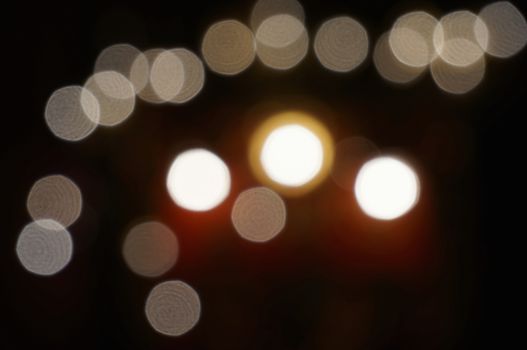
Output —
(228, 47)
(258, 214)
(150, 249)
(411, 39)
(194, 75)
(391, 68)
(198, 180)
(386, 188)
(282, 42)
(291, 152)
(141, 71)
(507, 29)
(44, 247)
(173, 308)
(264, 9)
(72, 113)
(55, 197)
(167, 75)
(457, 80)
(341, 44)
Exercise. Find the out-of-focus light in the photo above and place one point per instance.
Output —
(411, 38)
(264, 9)
(150, 249)
(198, 180)
(455, 79)
(389, 67)
(55, 197)
(121, 58)
(461, 38)
(228, 47)
(507, 29)
(259, 214)
(386, 188)
(291, 152)
(173, 308)
(341, 44)
(167, 75)
(72, 113)
(281, 41)
(350, 154)
(194, 75)
(44, 247)
(141, 70)
(116, 96)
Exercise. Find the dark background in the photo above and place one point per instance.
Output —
(445, 276)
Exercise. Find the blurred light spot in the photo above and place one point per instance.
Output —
(281, 42)
(122, 58)
(389, 67)
(507, 29)
(264, 9)
(228, 47)
(150, 249)
(291, 152)
(411, 39)
(386, 188)
(167, 75)
(44, 247)
(55, 197)
(115, 94)
(198, 180)
(194, 75)
(258, 214)
(141, 70)
(461, 38)
(173, 308)
(350, 154)
(341, 44)
(455, 79)
(72, 113)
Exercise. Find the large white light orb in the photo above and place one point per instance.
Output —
(198, 180)
(292, 155)
(386, 188)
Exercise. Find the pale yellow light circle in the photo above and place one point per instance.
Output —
(150, 249)
(341, 44)
(281, 42)
(507, 29)
(386, 188)
(228, 47)
(173, 308)
(276, 169)
(44, 247)
(55, 197)
(259, 214)
(72, 113)
(264, 9)
(141, 71)
(121, 58)
(198, 180)
(411, 38)
(389, 67)
(167, 75)
(194, 75)
(455, 79)
(461, 38)
(116, 96)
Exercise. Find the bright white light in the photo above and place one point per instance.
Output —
(198, 180)
(386, 188)
(292, 155)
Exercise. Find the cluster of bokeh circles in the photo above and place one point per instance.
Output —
(290, 153)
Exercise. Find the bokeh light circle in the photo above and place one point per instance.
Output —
(258, 214)
(173, 308)
(198, 180)
(386, 188)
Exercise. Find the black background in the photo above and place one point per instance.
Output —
(455, 286)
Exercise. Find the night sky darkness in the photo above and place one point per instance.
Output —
(444, 276)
